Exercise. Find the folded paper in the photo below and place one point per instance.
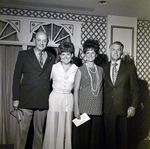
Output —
(83, 118)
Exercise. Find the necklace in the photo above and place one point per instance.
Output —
(95, 91)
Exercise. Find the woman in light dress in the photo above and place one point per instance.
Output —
(59, 116)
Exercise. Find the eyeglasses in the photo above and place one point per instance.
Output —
(118, 50)
(16, 114)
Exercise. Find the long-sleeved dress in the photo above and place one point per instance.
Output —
(59, 116)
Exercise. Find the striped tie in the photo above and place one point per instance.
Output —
(114, 73)
(41, 59)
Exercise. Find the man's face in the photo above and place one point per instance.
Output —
(40, 41)
(115, 52)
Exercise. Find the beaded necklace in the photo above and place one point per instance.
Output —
(95, 91)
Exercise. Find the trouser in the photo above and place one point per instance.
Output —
(39, 117)
(117, 130)
(89, 135)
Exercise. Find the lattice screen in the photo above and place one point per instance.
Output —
(143, 70)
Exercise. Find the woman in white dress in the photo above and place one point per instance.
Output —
(59, 116)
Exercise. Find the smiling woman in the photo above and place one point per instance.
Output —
(88, 96)
(66, 52)
(58, 126)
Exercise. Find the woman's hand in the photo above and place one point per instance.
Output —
(76, 112)
(76, 92)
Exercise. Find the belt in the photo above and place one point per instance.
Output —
(62, 92)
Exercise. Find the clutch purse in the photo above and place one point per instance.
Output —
(83, 118)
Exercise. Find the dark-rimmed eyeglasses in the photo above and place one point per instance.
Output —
(16, 114)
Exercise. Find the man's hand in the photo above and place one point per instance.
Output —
(130, 112)
(15, 104)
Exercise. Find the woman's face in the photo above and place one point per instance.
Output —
(90, 55)
(66, 57)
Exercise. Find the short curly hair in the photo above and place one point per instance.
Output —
(66, 47)
(91, 43)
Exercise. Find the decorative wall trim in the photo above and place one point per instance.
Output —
(26, 27)
(91, 27)
(51, 15)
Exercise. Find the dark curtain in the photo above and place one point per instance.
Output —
(8, 124)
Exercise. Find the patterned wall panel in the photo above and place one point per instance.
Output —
(92, 26)
(143, 50)
(143, 70)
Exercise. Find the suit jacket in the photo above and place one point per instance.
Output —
(125, 92)
(31, 83)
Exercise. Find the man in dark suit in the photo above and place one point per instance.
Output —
(31, 88)
(121, 94)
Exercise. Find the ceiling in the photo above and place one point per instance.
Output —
(130, 8)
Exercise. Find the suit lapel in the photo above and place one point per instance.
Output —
(47, 62)
(35, 62)
(121, 71)
(33, 59)
(108, 74)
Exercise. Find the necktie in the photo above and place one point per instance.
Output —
(114, 73)
(41, 59)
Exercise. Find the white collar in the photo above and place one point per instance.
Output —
(118, 62)
(37, 52)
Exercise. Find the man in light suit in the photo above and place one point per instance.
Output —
(31, 88)
(121, 94)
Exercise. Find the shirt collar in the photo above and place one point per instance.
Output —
(118, 62)
(37, 52)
